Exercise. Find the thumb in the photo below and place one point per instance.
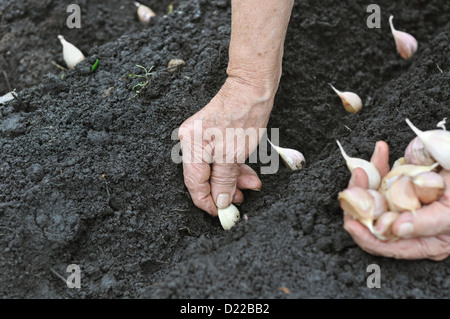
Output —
(431, 220)
(223, 183)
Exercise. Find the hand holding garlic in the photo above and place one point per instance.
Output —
(426, 235)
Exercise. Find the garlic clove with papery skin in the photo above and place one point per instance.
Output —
(416, 153)
(144, 13)
(436, 142)
(429, 186)
(406, 44)
(400, 161)
(292, 158)
(368, 167)
(359, 203)
(351, 101)
(384, 223)
(381, 205)
(401, 196)
(71, 54)
(408, 170)
(228, 216)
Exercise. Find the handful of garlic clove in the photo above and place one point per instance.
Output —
(412, 183)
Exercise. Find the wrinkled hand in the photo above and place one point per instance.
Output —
(238, 105)
(426, 236)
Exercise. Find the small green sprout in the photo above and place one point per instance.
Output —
(94, 66)
(145, 80)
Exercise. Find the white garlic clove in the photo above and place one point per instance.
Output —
(436, 142)
(399, 161)
(71, 54)
(416, 153)
(292, 158)
(368, 167)
(429, 186)
(359, 203)
(408, 170)
(384, 223)
(381, 205)
(228, 216)
(144, 13)
(351, 101)
(402, 197)
(406, 44)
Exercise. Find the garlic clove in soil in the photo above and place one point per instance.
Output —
(429, 186)
(416, 153)
(401, 196)
(351, 101)
(436, 142)
(144, 13)
(384, 223)
(368, 167)
(381, 205)
(406, 44)
(71, 54)
(408, 170)
(358, 203)
(292, 158)
(228, 216)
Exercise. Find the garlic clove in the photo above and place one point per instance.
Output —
(384, 223)
(436, 142)
(358, 203)
(429, 186)
(406, 44)
(228, 216)
(399, 161)
(416, 153)
(408, 170)
(381, 205)
(144, 13)
(71, 54)
(292, 158)
(401, 196)
(351, 101)
(442, 123)
(368, 167)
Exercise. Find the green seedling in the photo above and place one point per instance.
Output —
(94, 66)
(145, 80)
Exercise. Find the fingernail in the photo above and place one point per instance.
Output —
(223, 200)
(405, 229)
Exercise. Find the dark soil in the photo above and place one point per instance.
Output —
(86, 175)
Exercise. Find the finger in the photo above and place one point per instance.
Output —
(359, 178)
(431, 220)
(196, 178)
(248, 179)
(223, 183)
(401, 249)
(380, 158)
(238, 198)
